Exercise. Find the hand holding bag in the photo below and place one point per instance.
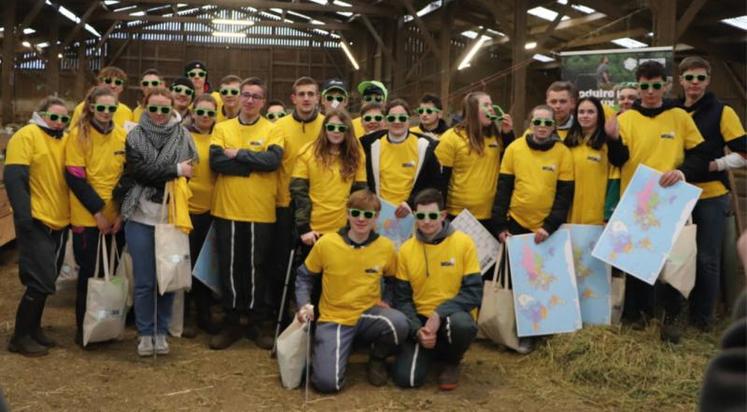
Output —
(173, 268)
(497, 320)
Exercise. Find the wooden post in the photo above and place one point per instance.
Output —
(53, 62)
(665, 22)
(81, 80)
(519, 72)
(445, 47)
(9, 43)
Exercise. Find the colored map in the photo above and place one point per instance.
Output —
(645, 224)
(398, 230)
(593, 276)
(544, 284)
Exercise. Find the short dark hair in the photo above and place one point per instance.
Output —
(650, 69)
(694, 62)
(428, 196)
(254, 81)
(371, 106)
(398, 102)
(153, 72)
(432, 98)
(276, 102)
(563, 86)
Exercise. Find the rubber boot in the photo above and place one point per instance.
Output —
(37, 332)
(21, 342)
(231, 333)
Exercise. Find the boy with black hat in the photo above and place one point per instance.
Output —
(334, 95)
(183, 92)
(196, 70)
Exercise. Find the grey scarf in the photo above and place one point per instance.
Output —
(159, 146)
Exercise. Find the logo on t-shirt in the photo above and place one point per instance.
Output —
(493, 145)
(594, 158)
(410, 163)
(667, 135)
(450, 262)
(119, 152)
(373, 270)
(549, 168)
(256, 143)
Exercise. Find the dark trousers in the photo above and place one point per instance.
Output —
(455, 335)
(642, 298)
(41, 251)
(199, 294)
(243, 261)
(85, 245)
(283, 241)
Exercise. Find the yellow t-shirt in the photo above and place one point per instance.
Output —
(358, 128)
(137, 113)
(435, 272)
(122, 115)
(351, 276)
(536, 174)
(731, 128)
(103, 158)
(658, 142)
(295, 135)
(203, 178)
(327, 190)
(398, 165)
(242, 198)
(474, 176)
(591, 171)
(45, 156)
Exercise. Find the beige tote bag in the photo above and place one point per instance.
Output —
(497, 320)
(681, 265)
(106, 302)
(173, 268)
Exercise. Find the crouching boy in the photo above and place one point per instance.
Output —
(438, 287)
(351, 263)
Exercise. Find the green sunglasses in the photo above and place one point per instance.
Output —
(228, 90)
(333, 98)
(205, 112)
(690, 77)
(370, 117)
(368, 214)
(110, 80)
(654, 85)
(155, 109)
(428, 215)
(497, 113)
(428, 110)
(336, 127)
(102, 108)
(56, 117)
(403, 118)
(276, 115)
(183, 90)
(373, 98)
(543, 122)
(150, 83)
(196, 73)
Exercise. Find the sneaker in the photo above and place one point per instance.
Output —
(376, 369)
(671, 330)
(227, 337)
(162, 345)
(145, 346)
(526, 345)
(27, 346)
(448, 380)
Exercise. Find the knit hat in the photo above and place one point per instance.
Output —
(195, 64)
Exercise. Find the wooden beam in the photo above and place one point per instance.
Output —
(425, 33)
(53, 62)
(465, 51)
(106, 34)
(123, 16)
(688, 16)
(9, 41)
(377, 37)
(445, 69)
(605, 38)
(734, 78)
(549, 29)
(665, 23)
(121, 50)
(83, 20)
(357, 7)
(81, 78)
(31, 15)
(519, 71)
(569, 24)
(498, 16)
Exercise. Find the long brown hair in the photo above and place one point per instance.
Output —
(470, 126)
(84, 122)
(350, 155)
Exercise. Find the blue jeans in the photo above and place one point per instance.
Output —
(710, 216)
(141, 244)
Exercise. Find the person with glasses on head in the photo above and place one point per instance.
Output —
(349, 264)
(196, 72)
(439, 288)
(35, 181)
(372, 118)
(430, 112)
(657, 133)
(400, 163)
(183, 93)
(470, 152)
(227, 98)
(720, 126)
(276, 110)
(159, 153)
(94, 161)
(326, 171)
(372, 92)
(246, 155)
(201, 185)
(150, 80)
(626, 94)
(115, 79)
(334, 95)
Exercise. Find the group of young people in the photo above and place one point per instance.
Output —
(271, 180)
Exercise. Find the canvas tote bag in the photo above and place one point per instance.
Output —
(680, 267)
(291, 351)
(497, 320)
(173, 268)
(106, 302)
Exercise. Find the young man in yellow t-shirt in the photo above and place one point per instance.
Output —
(438, 286)
(149, 81)
(430, 113)
(245, 157)
(228, 98)
(351, 264)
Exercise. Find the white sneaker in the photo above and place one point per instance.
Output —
(145, 346)
(162, 346)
